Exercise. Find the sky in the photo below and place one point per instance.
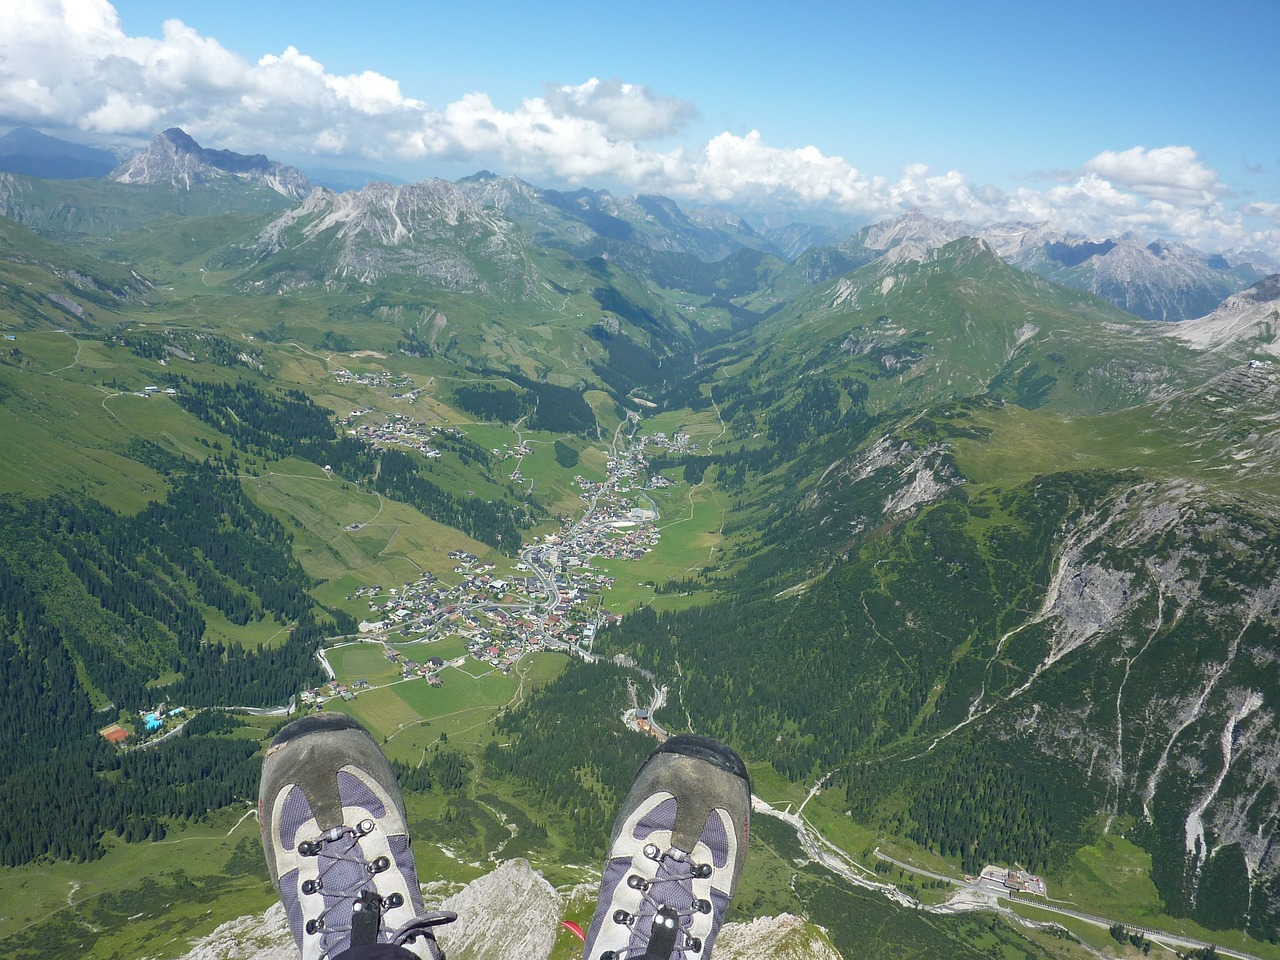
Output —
(1160, 118)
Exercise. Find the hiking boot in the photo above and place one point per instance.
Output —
(675, 856)
(334, 835)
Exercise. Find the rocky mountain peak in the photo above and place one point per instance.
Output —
(1250, 317)
(912, 226)
(174, 157)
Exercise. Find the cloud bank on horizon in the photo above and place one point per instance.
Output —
(68, 64)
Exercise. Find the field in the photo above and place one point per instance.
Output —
(690, 521)
(62, 433)
(362, 661)
(409, 715)
(391, 545)
(446, 648)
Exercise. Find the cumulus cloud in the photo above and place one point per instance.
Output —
(69, 64)
(1270, 211)
(1165, 173)
(629, 110)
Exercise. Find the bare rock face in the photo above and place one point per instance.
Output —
(265, 936)
(174, 158)
(1250, 317)
(785, 937)
(511, 912)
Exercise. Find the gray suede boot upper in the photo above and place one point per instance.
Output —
(676, 854)
(336, 843)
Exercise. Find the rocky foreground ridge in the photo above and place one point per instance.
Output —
(514, 912)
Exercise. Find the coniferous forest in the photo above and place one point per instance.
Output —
(90, 596)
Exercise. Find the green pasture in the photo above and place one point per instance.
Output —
(689, 521)
(691, 530)
(141, 899)
(463, 704)
(703, 426)
(64, 430)
(268, 632)
(551, 484)
(446, 648)
(368, 661)
(392, 546)
(1189, 439)
(1025, 443)
(1111, 877)
(1113, 874)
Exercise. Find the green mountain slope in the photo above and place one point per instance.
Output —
(959, 322)
(97, 210)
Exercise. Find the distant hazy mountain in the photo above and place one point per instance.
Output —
(1153, 280)
(340, 180)
(594, 222)
(174, 158)
(795, 238)
(27, 151)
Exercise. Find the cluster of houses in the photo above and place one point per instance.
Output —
(379, 378)
(678, 442)
(397, 430)
(411, 668)
(506, 451)
(627, 534)
(318, 695)
(498, 616)
(551, 599)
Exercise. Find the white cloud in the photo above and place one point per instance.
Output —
(1270, 211)
(1164, 173)
(69, 64)
(733, 166)
(627, 110)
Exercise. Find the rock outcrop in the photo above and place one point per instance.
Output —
(514, 912)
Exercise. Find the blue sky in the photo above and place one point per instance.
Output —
(1100, 116)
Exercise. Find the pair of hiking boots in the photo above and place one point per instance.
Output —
(337, 847)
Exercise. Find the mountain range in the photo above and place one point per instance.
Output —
(971, 552)
(1149, 278)
(30, 152)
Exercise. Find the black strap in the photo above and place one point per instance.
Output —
(366, 918)
(662, 935)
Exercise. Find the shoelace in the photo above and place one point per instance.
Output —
(345, 880)
(667, 932)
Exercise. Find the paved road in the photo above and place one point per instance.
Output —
(1164, 937)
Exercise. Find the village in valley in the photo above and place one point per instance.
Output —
(551, 600)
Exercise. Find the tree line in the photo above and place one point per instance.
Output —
(95, 600)
(288, 423)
